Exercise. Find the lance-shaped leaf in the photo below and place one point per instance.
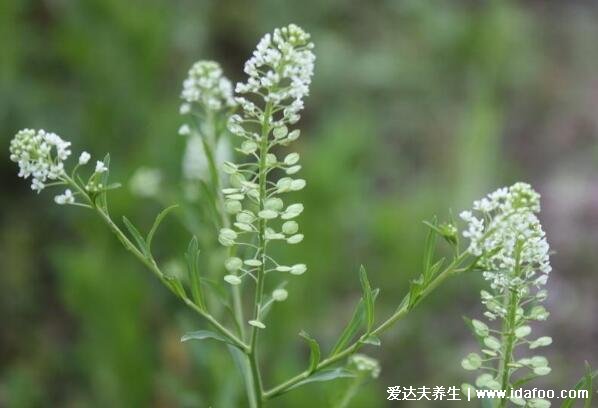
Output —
(175, 285)
(368, 299)
(102, 200)
(586, 384)
(136, 235)
(192, 257)
(421, 283)
(429, 247)
(417, 286)
(314, 356)
(159, 218)
(242, 363)
(324, 375)
(353, 326)
(205, 334)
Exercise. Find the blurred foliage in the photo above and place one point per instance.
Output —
(418, 106)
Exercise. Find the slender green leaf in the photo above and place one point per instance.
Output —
(352, 327)
(436, 267)
(203, 335)
(589, 377)
(324, 375)
(102, 199)
(192, 257)
(429, 248)
(136, 235)
(159, 218)
(314, 357)
(350, 330)
(417, 286)
(368, 299)
(433, 226)
(175, 284)
(242, 363)
(585, 383)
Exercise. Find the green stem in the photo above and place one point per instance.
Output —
(508, 341)
(511, 302)
(401, 312)
(261, 275)
(151, 264)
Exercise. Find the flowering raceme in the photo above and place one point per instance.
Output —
(40, 155)
(507, 234)
(206, 86)
(207, 101)
(507, 238)
(279, 73)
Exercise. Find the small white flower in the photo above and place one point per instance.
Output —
(184, 130)
(207, 86)
(84, 158)
(66, 198)
(185, 108)
(100, 167)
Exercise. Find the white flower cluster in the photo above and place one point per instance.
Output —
(507, 236)
(40, 155)
(206, 86)
(280, 71)
(66, 198)
(365, 364)
(207, 93)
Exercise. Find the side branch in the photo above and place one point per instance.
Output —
(401, 312)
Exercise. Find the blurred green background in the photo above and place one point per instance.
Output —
(417, 106)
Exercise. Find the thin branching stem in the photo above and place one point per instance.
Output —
(399, 314)
(151, 264)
